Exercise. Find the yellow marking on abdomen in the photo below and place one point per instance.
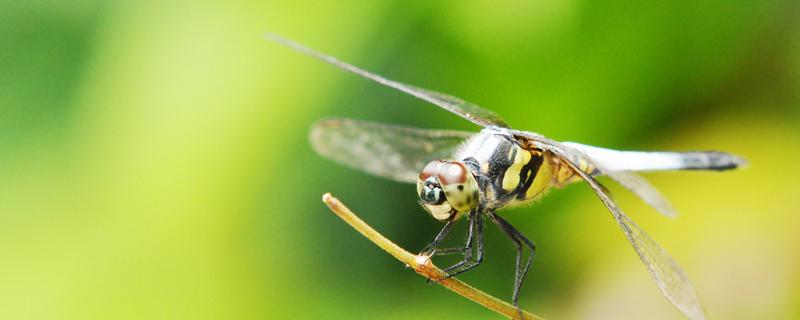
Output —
(542, 180)
(511, 176)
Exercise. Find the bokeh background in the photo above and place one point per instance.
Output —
(154, 161)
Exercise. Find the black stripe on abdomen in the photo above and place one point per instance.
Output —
(527, 174)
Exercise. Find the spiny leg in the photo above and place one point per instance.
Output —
(467, 264)
(466, 249)
(506, 229)
(519, 240)
(449, 251)
(467, 245)
(430, 249)
(531, 247)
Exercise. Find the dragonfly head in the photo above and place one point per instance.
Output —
(447, 189)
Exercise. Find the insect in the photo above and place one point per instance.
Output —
(466, 175)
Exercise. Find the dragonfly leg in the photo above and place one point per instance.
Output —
(470, 262)
(466, 249)
(467, 245)
(449, 251)
(521, 271)
(430, 249)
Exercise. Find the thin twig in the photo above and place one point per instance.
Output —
(422, 264)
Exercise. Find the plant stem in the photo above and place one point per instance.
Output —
(422, 264)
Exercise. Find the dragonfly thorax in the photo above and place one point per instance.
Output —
(447, 189)
(511, 172)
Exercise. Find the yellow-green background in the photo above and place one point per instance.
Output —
(154, 161)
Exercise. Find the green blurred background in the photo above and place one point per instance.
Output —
(154, 161)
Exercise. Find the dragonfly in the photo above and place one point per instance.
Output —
(472, 175)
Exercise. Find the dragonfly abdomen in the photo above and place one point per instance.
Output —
(564, 174)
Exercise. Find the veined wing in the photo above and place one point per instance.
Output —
(643, 189)
(620, 166)
(669, 277)
(394, 152)
(466, 110)
(667, 274)
(630, 180)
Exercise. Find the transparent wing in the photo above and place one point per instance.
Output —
(466, 110)
(621, 165)
(669, 277)
(393, 152)
(643, 189)
(618, 166)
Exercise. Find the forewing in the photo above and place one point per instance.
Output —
(393, 152)
(669, 277)
(466, 110)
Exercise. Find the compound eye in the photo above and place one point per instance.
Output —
(430, 170)
(452, 173)
(432, 193)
